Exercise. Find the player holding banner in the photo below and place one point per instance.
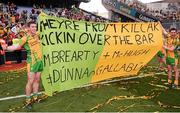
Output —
(32, 45)
(171, 47)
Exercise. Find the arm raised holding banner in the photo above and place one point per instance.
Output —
(32, 45)
(167, 38)
(18, 46)
(171, 46)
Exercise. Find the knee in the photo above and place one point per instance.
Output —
(169, 69)
(30, 82)
(36, 80)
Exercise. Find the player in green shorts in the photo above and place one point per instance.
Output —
(32, 45)
(172, 42)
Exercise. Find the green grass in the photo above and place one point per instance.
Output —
(12, 83)
(97, 97)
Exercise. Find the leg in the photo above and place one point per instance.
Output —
(164, 60)
(160, 62)
(36, 86)
(29, 85)
(29, 90)
(161, 59)
(176, 75)
(169, 74)
(36, 82)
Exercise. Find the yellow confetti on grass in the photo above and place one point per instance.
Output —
(17, 70)
(96, 107)
(1, 83)
(167, 106)
(11, 75)
(123, 108)
(126, 98)
(119, 98)
(161, 86)
(122, 88)
(132, 105)
(22, 105)
(129, 82)
(163, 80)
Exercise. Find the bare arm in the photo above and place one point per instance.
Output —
(17, 46)
(169, 48)
(13, 47)
(163, 30)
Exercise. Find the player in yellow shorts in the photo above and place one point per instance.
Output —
(171, 44)
(32, 45)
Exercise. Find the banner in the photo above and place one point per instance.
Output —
(76, 53)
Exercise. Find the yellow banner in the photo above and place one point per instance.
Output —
(128, 47)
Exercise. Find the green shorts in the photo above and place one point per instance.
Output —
(160, 54)
(37, 67)
(171, 61)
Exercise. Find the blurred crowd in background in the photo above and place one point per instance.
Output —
(161, 14)
(13, 22)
